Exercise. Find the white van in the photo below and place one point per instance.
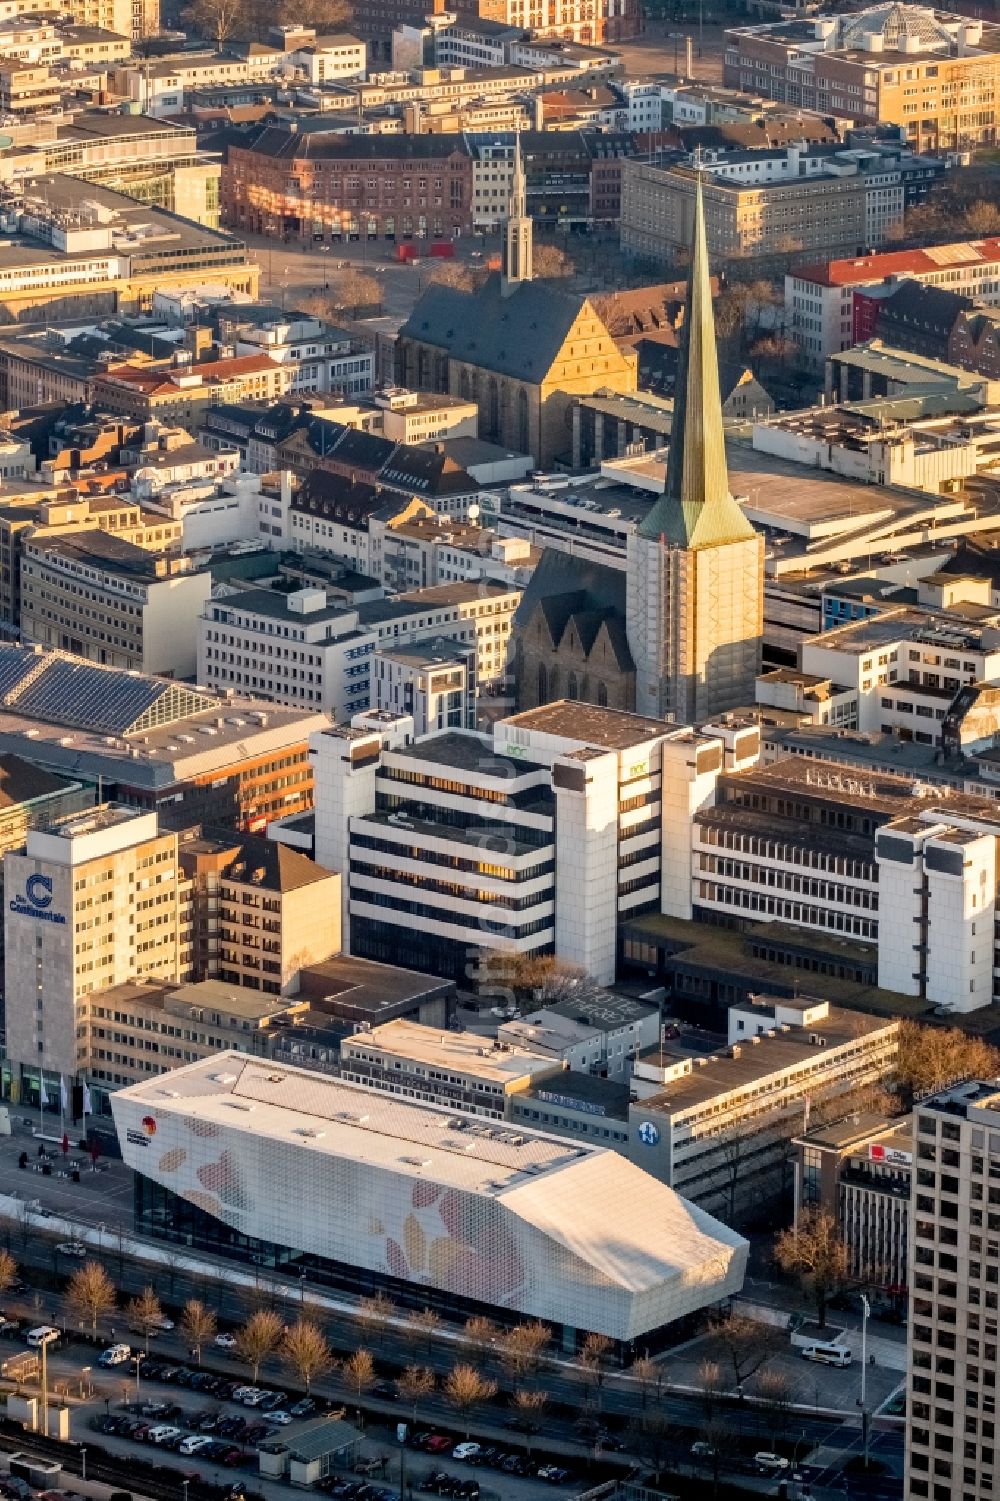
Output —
(43, 1335)
(827, 1354)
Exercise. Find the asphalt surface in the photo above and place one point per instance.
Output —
(103, 1199)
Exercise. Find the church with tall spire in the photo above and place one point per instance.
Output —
(695, 581)
(521, 348)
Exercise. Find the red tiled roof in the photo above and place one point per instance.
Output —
(156, 379)
(876, 268)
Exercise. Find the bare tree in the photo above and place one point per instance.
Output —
(357, 293)
(522, 1349)
(145, 1314)
(416, 1383)
(427, 1322)
(8, 1271)
(774, 1393)
(306, 1351)
(466, 1389)
(595, 1356)
(814, 1251)
(711, 1385)
(198, 1325)
(746, 1344)
(216, 19)
(90, 1293)
(325, 15)
(652, 1437)
(359, 1370)
(931, 1058)
(529, 1407)
(449, 274)
(550, 261)
(375, 1312)
(648, 1373)
(481, 1332)
(260, 1338)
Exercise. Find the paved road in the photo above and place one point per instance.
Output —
(104, 1198)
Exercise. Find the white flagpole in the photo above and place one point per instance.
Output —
(43, 1100)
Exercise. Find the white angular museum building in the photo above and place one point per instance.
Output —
(362, 1190)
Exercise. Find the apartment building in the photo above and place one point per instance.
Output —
(453, 1069)
(144, 1027)
(95, 900)
(296, 649)
(571, 20)
(419, 416)
(290, 648)
(932, 72)
(899, 872)
(477, 612)
(181, 394)
(954, 1265)
(112, 602)
(433, 682)
(834, 304)
(316, 184)
(716, 1128)
(43, 512)
(320, 358)
(388, 811)
(277, 912)
(446, 844)
(860, 1171)
(801, 214)
(906, 664)
(590, 1032)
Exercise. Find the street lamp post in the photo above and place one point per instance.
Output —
(137, 1359)
(865, 1311)
(83, 1461)
(185, 1484)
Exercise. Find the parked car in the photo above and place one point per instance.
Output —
(464, 1451)
(72, 1248)
(303, 1408)
(437, 1443)
(115, 1355)
(768, 1463)
(280, 1417)
(225, 1341)
(43, 1334)
(194, 1443)
(700, 1449)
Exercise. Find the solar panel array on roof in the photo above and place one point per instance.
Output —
(16, 662)
(67, 690)
(75, 693)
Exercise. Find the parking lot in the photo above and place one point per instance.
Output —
(807, 1384)
(209, 1426)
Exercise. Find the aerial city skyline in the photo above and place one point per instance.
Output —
(499, 749)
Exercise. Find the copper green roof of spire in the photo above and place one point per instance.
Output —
(696, 508)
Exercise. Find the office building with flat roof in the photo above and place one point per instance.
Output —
(954, 1265)
(860, 1171)
(95, 900)
(459, 1070)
